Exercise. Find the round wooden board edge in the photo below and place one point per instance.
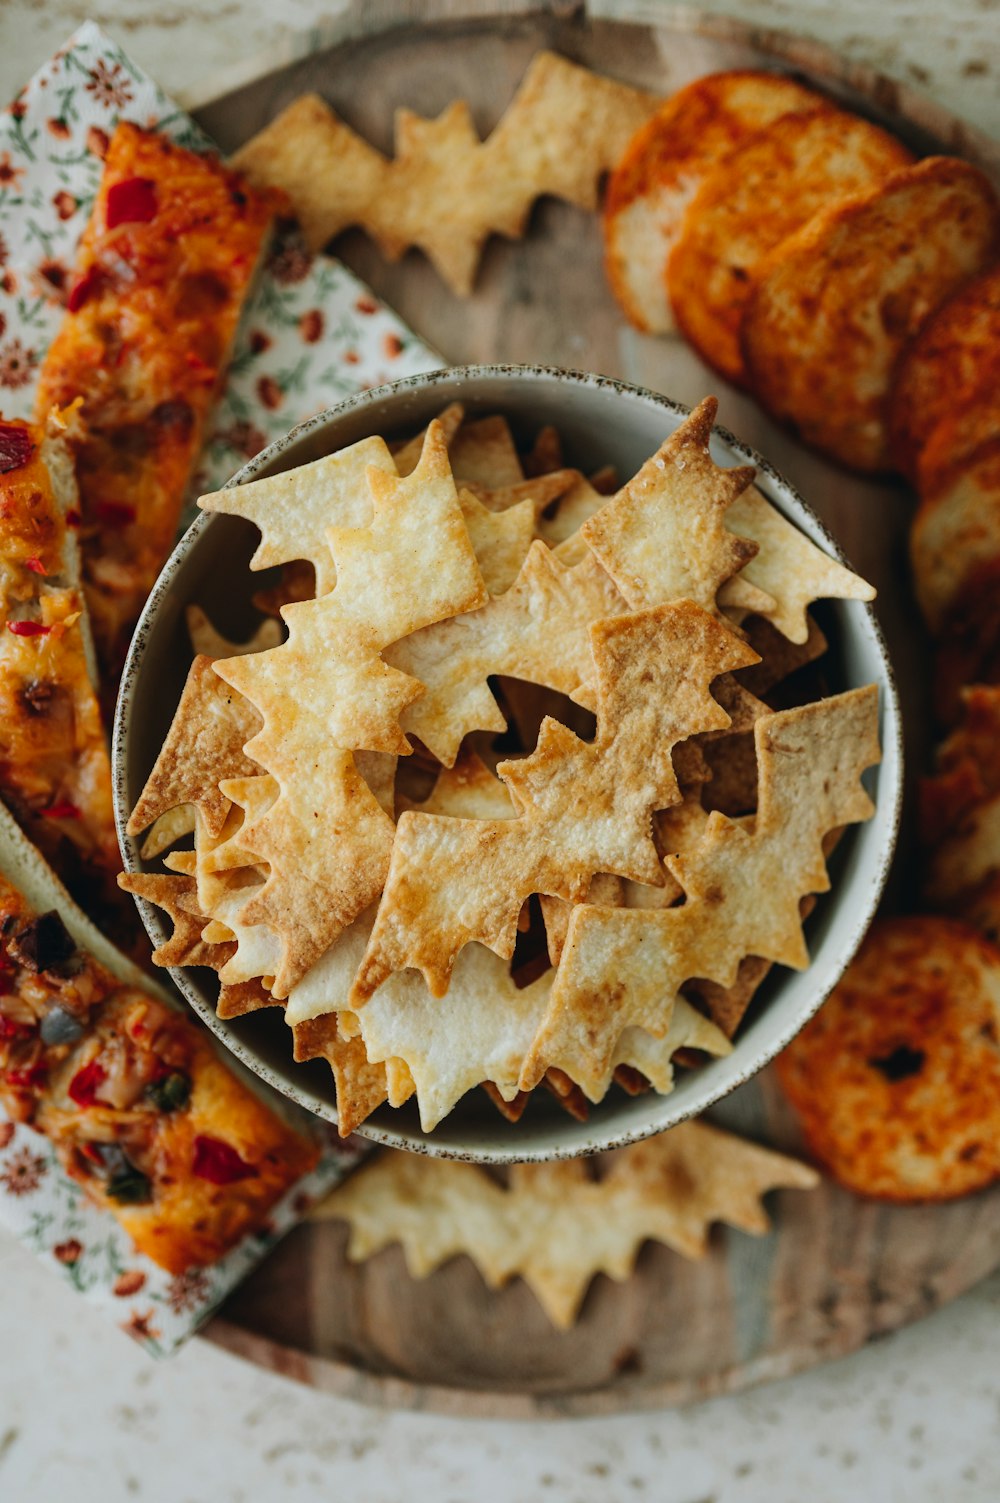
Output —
(383, 1391)
(891, 98)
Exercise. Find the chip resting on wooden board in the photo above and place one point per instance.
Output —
(954, 353)
(835, 305)
(445, 191)
(623, 968)
(896, 1080)
(751, 202)
(584, 808)
(54, 769)
(140, 1109)
(303, 892)
(162, 271)
(557, 1225)
(662, 168)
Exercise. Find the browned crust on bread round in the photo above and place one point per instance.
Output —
(662, 167)
(896, 1080)
(832, 308)
(752, 201)
(954, 352)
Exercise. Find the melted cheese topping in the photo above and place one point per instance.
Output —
(54, 767)
(163, 268)
(139, 1107)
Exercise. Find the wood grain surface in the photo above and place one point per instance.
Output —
(836, 1271)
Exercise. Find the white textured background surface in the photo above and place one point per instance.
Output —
(85, 1418)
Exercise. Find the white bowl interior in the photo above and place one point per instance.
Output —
(602, 421)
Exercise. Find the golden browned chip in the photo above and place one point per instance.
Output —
(897, 1078)
(623, 969)
(727, 1005)
(955, 537)
(208, 642)
(211, 726)
(482, 452)
(538, 631)
(955, 353)
(479, 1031)
(325, 839)
(296, 581)
(361, 1087)
(833, 307)
(583, 807)
(500, 539)
(557, 1225)
(446, 190)
(171, 826)
(753, 200)
(545, 454)
(665, 535)
(787, 567)
(330, 174)
(664, 165)
(407, 452)
(732, 788)
(176, 896)
(247, 997)
(513, 1110)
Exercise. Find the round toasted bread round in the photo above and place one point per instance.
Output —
(968, 650)
(970, 425)
(955, 537)
(956, 351)
(753, 200)
(830, 311)
(662, 169)
(897, 1078)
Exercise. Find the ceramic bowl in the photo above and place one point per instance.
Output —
(602, 421)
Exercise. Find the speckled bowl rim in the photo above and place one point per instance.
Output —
(579, 1139)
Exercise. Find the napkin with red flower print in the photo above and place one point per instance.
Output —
(311, 335)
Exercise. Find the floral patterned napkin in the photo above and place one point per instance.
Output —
(311, 335)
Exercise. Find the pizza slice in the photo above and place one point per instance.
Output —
(55, 775)
(140, 1109)
(161, 275)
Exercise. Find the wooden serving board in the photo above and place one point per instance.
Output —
(836, 1271)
